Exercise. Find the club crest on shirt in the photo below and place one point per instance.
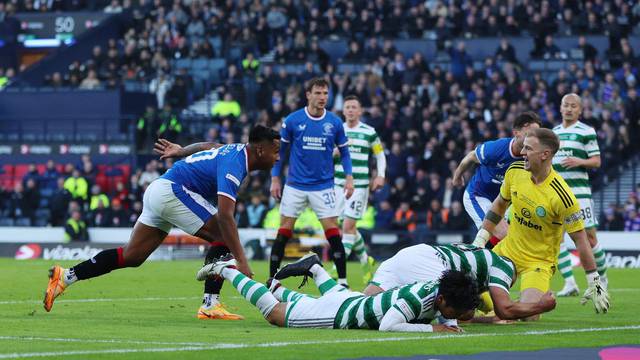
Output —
(327, 129)
(541, 212)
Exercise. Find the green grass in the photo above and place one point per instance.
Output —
(153, 308)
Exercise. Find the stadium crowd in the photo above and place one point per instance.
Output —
(428, 116)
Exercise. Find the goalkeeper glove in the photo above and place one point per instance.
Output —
(481, 238)
(596, 293)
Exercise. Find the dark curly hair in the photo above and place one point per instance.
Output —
(459, 290)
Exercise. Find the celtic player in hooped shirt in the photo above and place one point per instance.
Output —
(409, 308)
(543, 208)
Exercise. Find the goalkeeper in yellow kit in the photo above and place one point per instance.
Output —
(543, 207)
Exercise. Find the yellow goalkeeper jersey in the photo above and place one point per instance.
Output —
(540, 215)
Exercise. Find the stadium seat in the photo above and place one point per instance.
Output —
(5, 221)
(199, 64)
(23, 221)
(46, 192)
(43, 213)
(42, 222)
(44, 202)
(183, 63)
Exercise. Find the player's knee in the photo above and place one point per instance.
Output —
(134, 261)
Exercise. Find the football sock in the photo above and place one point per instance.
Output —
(277, 250)
(348, 241)
(256, 293)
(212, 285)
(359, 248)
(323, 280)
(101, 264)
(283, 294)
(600, 256)
(337, 252)
(69, 277)
(564, 264)
(210, 300)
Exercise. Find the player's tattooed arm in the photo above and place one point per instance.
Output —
(493, 217)
(166, 149)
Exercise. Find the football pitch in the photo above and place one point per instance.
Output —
(149, 313)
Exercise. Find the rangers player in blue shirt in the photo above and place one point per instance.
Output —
(178, 198)
(494, 158)
(311, 134)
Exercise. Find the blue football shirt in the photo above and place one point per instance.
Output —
(212, 172)
(311, 141)
(495, 157)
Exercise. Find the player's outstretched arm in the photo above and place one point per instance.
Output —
(229, 230)
(491, 220)
(166, 149)
(595, 292)
(394, 320)
(467, 162)
(506, 309)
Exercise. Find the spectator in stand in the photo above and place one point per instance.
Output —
(241, 217)
(59, 203)
(134, 213)
(91, 82)
(436, 216)
(384, 216)
(75, 228)
(113, 8)
(256, 211)
(49, 178)
(150, 173)
(121, 193)
(100, 215)
(170, 125)
(226, 107)
(119, 215)
(146, 129)
(612, 219)
(632, 221)
(77, 186)
(98, 198)
(160, 86)
(31, 200)
(404, 218)
(32, 174)
(457, 220)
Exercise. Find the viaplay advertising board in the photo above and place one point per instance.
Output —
(80, 251)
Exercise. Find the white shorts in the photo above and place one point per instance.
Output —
(588, 215)
(355, 206)
(322, 202)
(476, 207)
(319, 312)
(166, 203)
(416, 263)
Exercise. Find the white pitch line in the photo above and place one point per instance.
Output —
(17, 302)
(298, 343)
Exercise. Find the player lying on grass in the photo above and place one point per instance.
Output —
(544, 207)
(178, 198)
(409, 308)
(493, 273)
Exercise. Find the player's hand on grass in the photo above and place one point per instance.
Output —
(377, 183)
(166, 149)
(348, 187)
(276, 188)
(548, 301)
(447, 328)
(596, 293)
(571, 162)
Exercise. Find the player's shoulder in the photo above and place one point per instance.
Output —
(297, 115)
(561, 191)
(516, 167)
(557, 128)
(585, 128)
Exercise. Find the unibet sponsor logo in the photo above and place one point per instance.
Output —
(525, 222)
